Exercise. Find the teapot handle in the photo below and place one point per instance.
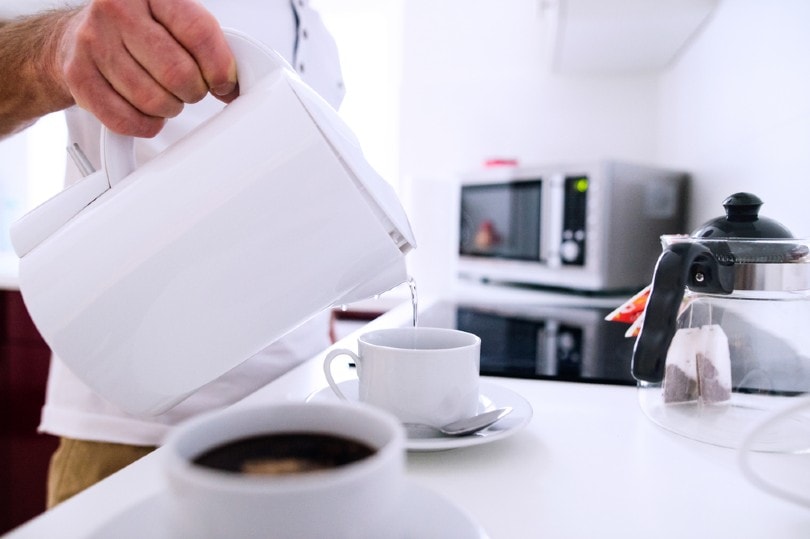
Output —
(254, 61)
(677, 268)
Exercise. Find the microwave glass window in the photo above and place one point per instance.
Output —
(501, 220)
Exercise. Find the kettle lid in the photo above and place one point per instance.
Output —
(742, 220)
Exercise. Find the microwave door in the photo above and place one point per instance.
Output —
(551, 220)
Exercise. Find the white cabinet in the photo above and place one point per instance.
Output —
(621, 37)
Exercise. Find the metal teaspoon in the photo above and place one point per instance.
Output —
(462, 427)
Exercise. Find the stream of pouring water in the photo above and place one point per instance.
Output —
(414, 300)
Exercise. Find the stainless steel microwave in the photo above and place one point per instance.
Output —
(589, 227)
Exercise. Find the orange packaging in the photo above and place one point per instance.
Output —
(630, 311)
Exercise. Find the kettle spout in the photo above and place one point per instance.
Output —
(386, 279)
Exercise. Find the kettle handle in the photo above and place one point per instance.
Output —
(254, 61)
(677, 268)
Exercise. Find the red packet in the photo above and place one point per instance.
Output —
(635, 328)
(632, 309)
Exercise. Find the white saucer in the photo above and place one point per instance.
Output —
(426, 515)
(491, 396)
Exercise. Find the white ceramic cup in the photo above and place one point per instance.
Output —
(421, 375)
(359, 499)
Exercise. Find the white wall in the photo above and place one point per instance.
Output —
(371, 74)
(735, 110)
(476, 84)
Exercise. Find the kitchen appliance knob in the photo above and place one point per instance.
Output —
(569, 251)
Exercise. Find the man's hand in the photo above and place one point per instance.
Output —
(132, 63)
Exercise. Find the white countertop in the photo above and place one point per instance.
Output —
(589, 464)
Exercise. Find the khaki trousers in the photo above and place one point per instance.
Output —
(78, 464)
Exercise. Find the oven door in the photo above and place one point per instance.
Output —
(573, 344)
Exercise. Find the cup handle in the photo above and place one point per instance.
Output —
(327, 368)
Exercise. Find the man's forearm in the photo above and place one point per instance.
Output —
(30, 77)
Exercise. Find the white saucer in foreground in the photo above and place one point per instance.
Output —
(491, 396)
(425, 515)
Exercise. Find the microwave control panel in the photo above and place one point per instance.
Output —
(572, 244)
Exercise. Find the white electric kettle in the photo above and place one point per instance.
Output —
(150, 282)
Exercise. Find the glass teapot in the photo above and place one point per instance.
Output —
(726, 331)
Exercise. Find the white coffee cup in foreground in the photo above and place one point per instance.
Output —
(421, 375)
(358, 499)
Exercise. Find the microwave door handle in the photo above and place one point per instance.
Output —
(551, 221)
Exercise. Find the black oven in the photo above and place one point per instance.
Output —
(548, 342)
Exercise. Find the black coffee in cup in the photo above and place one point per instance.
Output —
(284, 453)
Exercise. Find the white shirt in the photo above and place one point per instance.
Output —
(71, 408)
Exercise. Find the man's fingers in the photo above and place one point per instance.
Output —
(134, 63)
(199, 33)
(95, 94)
(129, 79)
(167, 62)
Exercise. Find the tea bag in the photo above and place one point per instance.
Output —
(698, 366)
(714, 366)
(680, 376)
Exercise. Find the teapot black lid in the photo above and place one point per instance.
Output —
(742, 220)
